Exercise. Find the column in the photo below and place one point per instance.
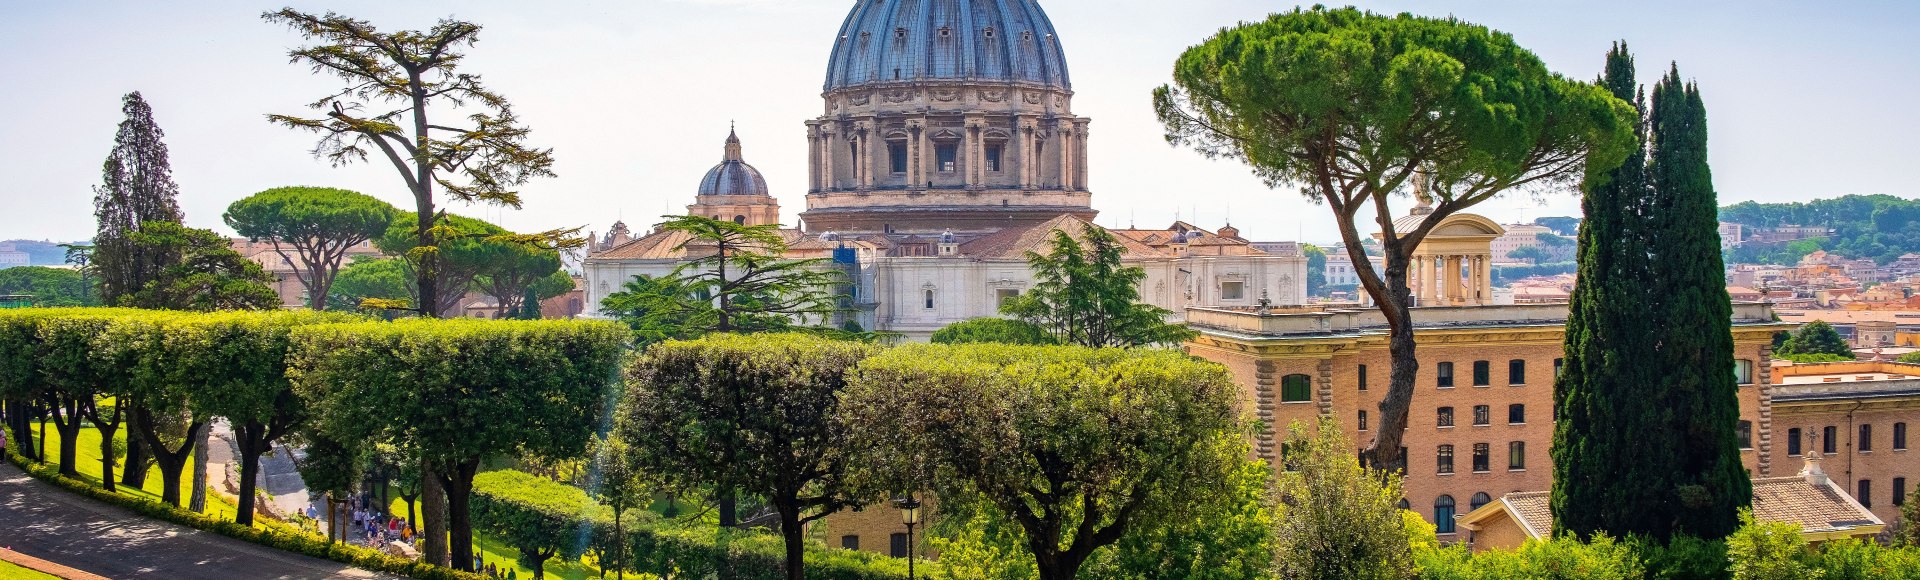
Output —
(1422, 282)
(1064, 136)
(970, 137)
(1486, 279)
(1455, 294)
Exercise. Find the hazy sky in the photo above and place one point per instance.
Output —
(1806, 99)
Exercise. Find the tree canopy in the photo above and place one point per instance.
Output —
(48, 286)
(734, 280)
(1084, 295)
(137, 189)
(1814, 338)
(1354, 108)
(316, 224)
(996, 330)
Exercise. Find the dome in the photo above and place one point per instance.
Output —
(733, 176)
(996, 41)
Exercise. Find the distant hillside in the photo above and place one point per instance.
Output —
(44, 253)
(1881, 227)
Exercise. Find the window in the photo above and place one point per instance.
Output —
(929, 299)
(850, 542)
(1745, 431)
(1443, 417)
(1233, 290)
(899, 545)
(1793, 442)
(1899, 491)
(1517, 456)
(1445, 372)
(1295, 389)
(1405, 505)
(1482, 373)
(1479, 499)
(1001, 296)
(1516, 414)
(1363, 377)
(1482, 415)
(1443, 515)
(993, 157)
(947, 156)
(1829, 435)
(1866, 437)
(1516, 372)
(1743, 371)
(1363, 420)
(897, 156)
(1481, 453)
(740, 219)
(1443, 459)
(1866, 493)
(1559, 364)
(1899, 436)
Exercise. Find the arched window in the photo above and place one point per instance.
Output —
(1443, 515)
(1479, 499)
(1296, 389)
(1405, 505)
(740, 219)
(929, 299)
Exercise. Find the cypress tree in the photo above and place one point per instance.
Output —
(1698, 399)
(1603, 394)
(137, 187)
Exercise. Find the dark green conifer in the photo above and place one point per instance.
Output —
(1816, 337)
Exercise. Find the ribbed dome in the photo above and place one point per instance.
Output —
(886, 41)
(733, 176)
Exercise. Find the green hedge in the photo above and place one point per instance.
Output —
(669, 547)
(272, 535)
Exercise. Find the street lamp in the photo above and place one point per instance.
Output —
(909, 515)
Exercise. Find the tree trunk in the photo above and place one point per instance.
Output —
(108, 429)
(729, 509)
(795, 537)
(459, 486)
(619, 547)
(434, 515)
(413, 515)
(198, 502)
(171, 462)
(66, 421)
(135, 468)
(539, 561)
(43, 433)
(1393, 299)
(253, 442)
(20, 427)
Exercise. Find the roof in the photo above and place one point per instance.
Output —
(1848, 317)
(1014, 243)
(886, 41)
(1821, 510)
(733, 176)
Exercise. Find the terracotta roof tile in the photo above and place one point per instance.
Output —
(1815, 508)
(1014, 243)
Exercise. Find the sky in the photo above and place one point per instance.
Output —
(1806, 100)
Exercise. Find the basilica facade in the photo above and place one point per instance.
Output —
(947, 149)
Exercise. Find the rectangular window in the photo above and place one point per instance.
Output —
(897, 156)
(1899, 491)
(1233, 290)
(1296, 389)
(1829, 437)
(1363, 420)
(1480, 453)
(1482, 415)
(1899, 436)
(1363, 377)
(1001, 296)
(1866, 437)
(1745, 431)
(993, 158)
(899, 547)
(1559, 364)
(1443, 417)
(1516, 372)
(947, 155)
(1443, 460)
(1866, 493)
(1517, 455)
(1793, 442)
(1516, 414)
(1743, 371)
(1445, 373)
(1482, 373)
(850, 542)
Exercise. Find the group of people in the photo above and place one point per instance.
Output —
(488, 568)
(373, 526)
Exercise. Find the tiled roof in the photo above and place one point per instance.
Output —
(1816, 509)
(1014, 243)
(1532, 510)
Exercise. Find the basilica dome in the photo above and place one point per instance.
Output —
(733, 176)
(978, 41)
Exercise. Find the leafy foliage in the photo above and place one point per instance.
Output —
(1076, 445)
(733, 281)
(540, 518)
(379, 280)
(1353, 108)
(1769, 551)
(55, 287)
(1316, 269)
(1340, 519)
(1083, 295)
(1816, 338)
(137, 189)
(201, 272)
(316, 224)
(1911, 358)
(1556, 559)
(1880, 227)
(1814, 358)
(995, 330)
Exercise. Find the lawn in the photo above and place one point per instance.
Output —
(501, 555)
(11, 571)
(88, 459)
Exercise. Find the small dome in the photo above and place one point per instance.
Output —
(733, 176)
(1005, 41)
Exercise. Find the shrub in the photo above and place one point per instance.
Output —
(1768, 551)
(1682, 558)
(1814, 358)
(1561, 558)
(1000, 330)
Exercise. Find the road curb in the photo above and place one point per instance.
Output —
(45, 567)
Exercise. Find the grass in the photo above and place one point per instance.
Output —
(87, 458)
(503, 556)
(11, 571)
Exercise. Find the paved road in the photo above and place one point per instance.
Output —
(52, 524)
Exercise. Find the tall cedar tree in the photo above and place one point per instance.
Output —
(1704, 486)
(1085, 296)
(138, 188)
(1603, 392)
(1353, 108)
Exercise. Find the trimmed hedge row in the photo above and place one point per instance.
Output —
(269, 534)
(668, 547)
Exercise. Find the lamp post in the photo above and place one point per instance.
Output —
(909, 515)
